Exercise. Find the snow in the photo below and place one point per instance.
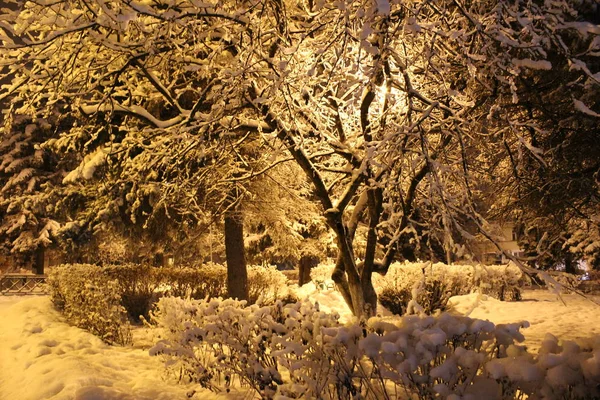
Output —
(584, 28)
(545, 312)
(87, 167)
(532, 64)
(42, 357)
(574, 319)
(383, 7)
(579, 105)
(330, 300)
(135, 110)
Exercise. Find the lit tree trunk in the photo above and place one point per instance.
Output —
(356, 287)
(356, 291)
(237, 276)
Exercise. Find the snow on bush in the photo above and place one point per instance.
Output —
(499, 281)
(434, 284)
(266, 284)
(90, 300)
(137, 287)
(562, 282)
(217, 342)
(197, 282)
(321, 275)
(296, 351)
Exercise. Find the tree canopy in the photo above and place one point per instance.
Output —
(397, 112)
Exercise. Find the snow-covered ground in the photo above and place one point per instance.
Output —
(576, 318)
(42, 357)
(573, 317)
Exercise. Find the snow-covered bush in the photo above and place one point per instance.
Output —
(571, 370)
(296, 351)
(266, 284)
(561, 281)
(436, 283)
(218, 341)
(137, 285)
(502, 282)
(90, 300)
(210, 281)
(321, 275)
(199, 282)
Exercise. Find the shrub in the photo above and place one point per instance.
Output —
(321, 275)
(210, 281)
(266, 284)
(206, 281)
(499, 281)
(224, 339)
(291, 275)
(137, 284)
(296, 351)
(90, 300)
(436, 283)
(561, 281)
(395, 300)
(431, 295)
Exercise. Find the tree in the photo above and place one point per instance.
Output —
(383, 105)
(543, 149)
(145, 177)
(28, 190)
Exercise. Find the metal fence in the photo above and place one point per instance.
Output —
(20, 284)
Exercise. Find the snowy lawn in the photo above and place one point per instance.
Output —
(41, 357)
(576, 318)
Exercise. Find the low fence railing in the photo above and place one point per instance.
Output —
(11, 284)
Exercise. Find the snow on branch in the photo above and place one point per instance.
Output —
(580, 106)
(87, 167)
(134, 110)
(52, 37)
(533, 64)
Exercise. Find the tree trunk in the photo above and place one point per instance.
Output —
(358, 293)
(237, 276)
(305, 265)
(38, 261)
(159, 260)
(570, 265)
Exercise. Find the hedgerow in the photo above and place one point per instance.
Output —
(89, 299)
(434, 284)
(76, 290)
